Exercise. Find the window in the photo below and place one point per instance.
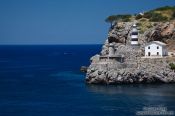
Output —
(148, 47)
(157, 47)
(157, 53)
(149, 53)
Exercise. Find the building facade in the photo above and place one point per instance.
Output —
(156, 49)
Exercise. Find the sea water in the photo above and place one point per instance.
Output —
(46, 81)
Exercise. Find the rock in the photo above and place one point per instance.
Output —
(119, 78)
(120, 33)
(95, 59)
(83, 69)
(161, 32)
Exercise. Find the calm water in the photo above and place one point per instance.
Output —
(45, 81)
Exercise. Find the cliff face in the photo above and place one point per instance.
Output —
(131, 67)
(162, 32)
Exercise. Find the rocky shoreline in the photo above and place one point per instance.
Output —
(104, 76)
(135, 68)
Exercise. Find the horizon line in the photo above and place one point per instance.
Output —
(44, 44)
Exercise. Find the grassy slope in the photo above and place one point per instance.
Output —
(166, 11)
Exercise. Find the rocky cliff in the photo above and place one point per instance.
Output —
(133, 68)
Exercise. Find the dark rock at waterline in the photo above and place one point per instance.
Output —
(83, 69)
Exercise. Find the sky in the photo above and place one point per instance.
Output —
(64, 21)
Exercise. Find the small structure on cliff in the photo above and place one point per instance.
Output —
(112, 57)
(156, 49)
(134, 35)
(111, 50)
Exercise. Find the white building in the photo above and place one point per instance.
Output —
(134, 35)
(156, 49)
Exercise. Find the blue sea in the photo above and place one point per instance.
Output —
(44, 80)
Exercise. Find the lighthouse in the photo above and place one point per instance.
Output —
(134, 35)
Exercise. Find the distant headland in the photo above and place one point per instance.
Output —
(140, 48)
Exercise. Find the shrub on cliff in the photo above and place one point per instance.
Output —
(172, 66)
(165, 8)
(138, 17)
(125, 18)
(111, 19)
(155, 17)
(148, 15)
(161, 14)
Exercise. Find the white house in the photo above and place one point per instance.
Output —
(134, 35)
(156, 49)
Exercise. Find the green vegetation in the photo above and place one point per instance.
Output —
(144, 24)
(113, 18)
(160, 14)
(124, 18)
(166, 8)
(138, 17)
(172, 66)
(155, 17)
(148, 19)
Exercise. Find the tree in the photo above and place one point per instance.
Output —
(124, 18)
(111, 19)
